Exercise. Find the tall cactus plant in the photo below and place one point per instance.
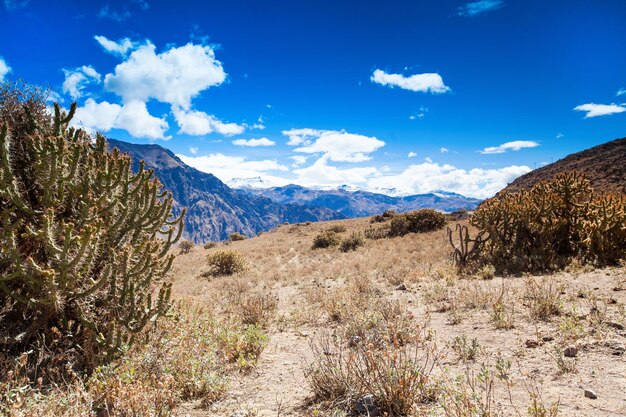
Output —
(83, 240)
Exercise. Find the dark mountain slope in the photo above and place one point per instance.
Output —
(214, 209)
(604, 165)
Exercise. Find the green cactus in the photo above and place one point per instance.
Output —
(84, 241)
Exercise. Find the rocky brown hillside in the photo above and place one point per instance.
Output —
(604, 165)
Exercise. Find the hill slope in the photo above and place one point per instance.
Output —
(214, 209)
(363, 203)
(605, 165)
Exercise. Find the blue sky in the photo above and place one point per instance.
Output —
(393, 96)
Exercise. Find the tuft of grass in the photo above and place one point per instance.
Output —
(185, 247)
(543, 298)
(337, 228)
(234, 237)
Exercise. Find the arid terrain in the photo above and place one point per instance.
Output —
(523, 345)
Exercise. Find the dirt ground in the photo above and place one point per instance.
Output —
(415, 271)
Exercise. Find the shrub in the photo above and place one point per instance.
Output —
(378, 218)
(83, 240)
(185, 247)
(226, 262)
(234, 237)
(351, 242)
(376, 233)
(420, 221)
(210, 245)
(325, 239)
(547, 227)
(337, 228)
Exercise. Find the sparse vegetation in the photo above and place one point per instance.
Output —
(226, 262)
(326, 239)
(351, 242)
(420, 221)
(210, 245)
(185, 247)
(236, 236)
(337, 228)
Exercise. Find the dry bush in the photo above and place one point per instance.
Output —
(180, 361)
(185, 247)
(420, 221)
(256, 308)
(543, 298)
(236, 236)
(325, 240)
(351, 242)
(471, 395)
(226, 262)
(242, 347)
(337, 228)
(375, 233)
(397, 378)
(547, 227)
(209, 245)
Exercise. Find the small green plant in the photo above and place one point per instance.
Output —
(466, 350)
(351, 242)
(234, 237)
(243, 347)
(226, 262)
(325, 240)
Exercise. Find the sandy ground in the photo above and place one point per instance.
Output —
(283, 264)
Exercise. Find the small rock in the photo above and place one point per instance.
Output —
(547, 338)
(401, 287)
(354, 341)
(531, 343)
(366, 406)
(570, 352)
(619, 351)
(590, 394)
(615, 325)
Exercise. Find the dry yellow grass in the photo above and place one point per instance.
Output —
(492, 345)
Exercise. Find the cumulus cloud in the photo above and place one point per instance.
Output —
(197, 123)
(227, 167)
(253, 143)
(595, 110)
(77, 79)
(4, 69)
(515, 145)
(132, 117)
(338, 146)
(427, 82)
(430, 176)
(476, 8)
(298, 160)
(412, 154)
(119, 48)
(174, 76)
(322, 174)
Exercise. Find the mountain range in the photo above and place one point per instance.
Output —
(215, 210)
(363, 203)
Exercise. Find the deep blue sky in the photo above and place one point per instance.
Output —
(515, 72)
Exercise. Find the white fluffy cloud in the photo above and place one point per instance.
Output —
(427, 82)
(197, 123)
(132, 117)
(227, 167)
(595, 110)
(515, 145)
(431, 176)
(119, 48)
(253, 143)
(77, 79)
(298, 160)
(412, 154)
(320, 173)
(4, 69)
(338, 146)
(174, 76)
